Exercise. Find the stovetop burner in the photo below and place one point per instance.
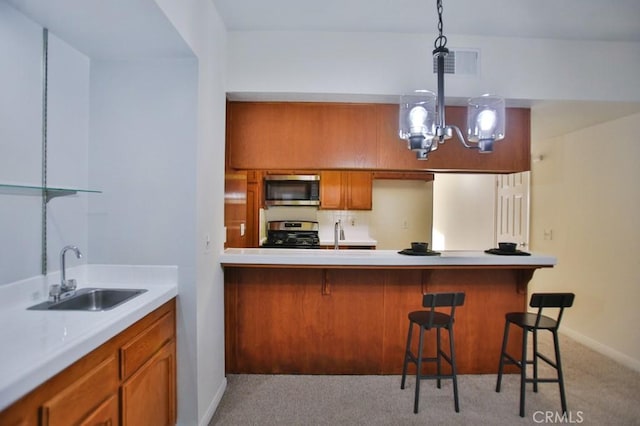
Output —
(292, 234)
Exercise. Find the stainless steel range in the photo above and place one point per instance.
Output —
(292, 234)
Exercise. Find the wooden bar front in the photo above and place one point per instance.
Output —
(349, 320)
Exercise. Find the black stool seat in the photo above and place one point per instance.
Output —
(529, 320)
(428, 320)
(531, 323)
(422, 318)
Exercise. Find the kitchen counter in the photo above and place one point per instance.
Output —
(373, 258)
(39, 344)
(345, 311)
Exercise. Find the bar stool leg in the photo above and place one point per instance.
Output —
(535, 360)
(418, 371)
(406, 355)
(556, 345)
(505, 338)
(454, 370)
(438, 358)
(523, 370)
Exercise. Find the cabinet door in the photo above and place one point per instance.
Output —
(235, 207)
(149, 396)
(359, 191)
(83, 397)
(298, 135)
(331, 190)
(254, 204)
(105, 415)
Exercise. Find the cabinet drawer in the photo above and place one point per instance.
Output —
(144, 345)
(85, 395)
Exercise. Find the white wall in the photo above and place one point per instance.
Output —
(20, 144)
(200, 26)
(585, 191)
(67, 150)
(463, 211)
(392, 64)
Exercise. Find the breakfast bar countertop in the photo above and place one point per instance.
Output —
(248, 257)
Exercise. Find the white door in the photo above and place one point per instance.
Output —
(512, 209)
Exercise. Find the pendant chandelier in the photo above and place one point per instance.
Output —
(422, 113)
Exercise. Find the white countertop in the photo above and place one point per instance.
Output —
(39, 344)
(357, 258)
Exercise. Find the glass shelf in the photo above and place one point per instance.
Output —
(50, 192)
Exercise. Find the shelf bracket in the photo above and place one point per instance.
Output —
(51, 194)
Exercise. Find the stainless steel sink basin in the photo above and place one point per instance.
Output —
(91, 299)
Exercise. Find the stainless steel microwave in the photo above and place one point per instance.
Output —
(292, 190)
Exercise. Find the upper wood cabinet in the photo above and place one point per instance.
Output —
(316, 136)
(287, 135)
(346, 190)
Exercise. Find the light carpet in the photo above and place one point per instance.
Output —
(599, 392)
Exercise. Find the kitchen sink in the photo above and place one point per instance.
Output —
(90, 299)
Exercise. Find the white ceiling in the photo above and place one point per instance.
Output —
(108, 29)
(609, 20)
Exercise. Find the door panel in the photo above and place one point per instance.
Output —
(512, 209)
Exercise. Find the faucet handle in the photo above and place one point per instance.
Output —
(54, 292)
(69, 285)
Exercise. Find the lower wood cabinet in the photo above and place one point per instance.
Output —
(129, 380)
(84, 397)
(148, 397)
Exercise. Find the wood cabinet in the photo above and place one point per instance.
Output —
(297, 135)
(254, 203)
(346, 320)
(317, 136)
(84, 396)
(129, 380)
(148, 397)
(340, 190)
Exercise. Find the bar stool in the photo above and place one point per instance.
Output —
(532, 322)
(428, 320)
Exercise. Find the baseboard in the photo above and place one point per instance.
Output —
(619, 357)
(211, 409)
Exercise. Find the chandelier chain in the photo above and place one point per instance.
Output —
(441, 40)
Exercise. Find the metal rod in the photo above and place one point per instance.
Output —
(45, 78)
(440, 63)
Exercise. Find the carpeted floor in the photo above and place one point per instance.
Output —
(599, 392)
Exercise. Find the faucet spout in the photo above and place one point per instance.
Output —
(336, 233)
(67, 285)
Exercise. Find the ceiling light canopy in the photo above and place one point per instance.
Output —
(422, 115)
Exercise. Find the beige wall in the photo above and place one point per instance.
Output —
(402, 213)
(463, 211)
(585, 191)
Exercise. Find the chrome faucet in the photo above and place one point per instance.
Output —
(338, 234)
(67, 285)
